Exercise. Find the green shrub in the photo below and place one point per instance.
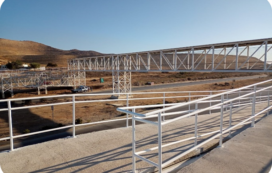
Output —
(35, 65)
(79, 121)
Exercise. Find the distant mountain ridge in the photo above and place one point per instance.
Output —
(30, 51)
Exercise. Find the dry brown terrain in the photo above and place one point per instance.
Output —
(29, 52)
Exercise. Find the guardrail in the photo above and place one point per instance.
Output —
(128, 98)
(249, 97)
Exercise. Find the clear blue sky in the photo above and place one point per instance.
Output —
(120, 26)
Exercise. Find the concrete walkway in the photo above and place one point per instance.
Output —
(248, 152)
(110, 150)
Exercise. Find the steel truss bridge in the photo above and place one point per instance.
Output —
(39, 79)
(239, 56)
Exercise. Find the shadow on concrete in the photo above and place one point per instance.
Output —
(267, 167)
(116, 155)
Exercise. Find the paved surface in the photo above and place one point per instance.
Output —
(110, 150)
(172, 85)
(248, 152)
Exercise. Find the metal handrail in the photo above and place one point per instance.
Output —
(251, 95)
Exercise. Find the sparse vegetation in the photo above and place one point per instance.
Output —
(51, 64)
(79, 121)
(35, 65)
(14, 64)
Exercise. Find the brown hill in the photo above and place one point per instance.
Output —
(29, 51)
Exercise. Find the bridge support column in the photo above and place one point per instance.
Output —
(121, 82)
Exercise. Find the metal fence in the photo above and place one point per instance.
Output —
(128, 98)
(248, 95)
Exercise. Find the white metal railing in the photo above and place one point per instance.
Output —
(128, 98)
(246, 96)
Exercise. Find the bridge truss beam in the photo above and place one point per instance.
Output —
(240, 56)
(40, 79)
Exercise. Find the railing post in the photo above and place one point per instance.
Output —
(133, 144)
(268, 101)
(221, 122)
(74, 116)
(159, 143)
(230, 118)
(253, 107)
(196, 107)
(210, 111)
(163, 105)
(189, 100)
(260, 95)
(10, 126)
(127, 113)
(227, 97)
(239, 98)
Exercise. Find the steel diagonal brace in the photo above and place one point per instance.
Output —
(133, 62)
(154, 61)
(203, 57)
(141, 59)
(260, 58)
(181, 62)
(238, 56)
(167, 61)
(216, 57)
(251, 55)
(199, 56)
(225, 56)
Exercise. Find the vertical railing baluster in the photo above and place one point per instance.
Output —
(10, 126)
(133, 143)
(227, 97)
(189, 101)
(230, 118)
(74, 117)
(163, 105)
(159, 143)
(239, 98)
(268, 101)
(127, 113)
(253, 107)
(196, 107)
(210, 111)
(221, 122)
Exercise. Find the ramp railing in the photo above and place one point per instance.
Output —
(244, 96)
